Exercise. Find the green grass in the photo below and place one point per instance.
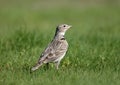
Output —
(93, 58)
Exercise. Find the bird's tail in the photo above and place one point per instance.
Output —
(36, 66)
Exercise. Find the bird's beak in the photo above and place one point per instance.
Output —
(69, 26)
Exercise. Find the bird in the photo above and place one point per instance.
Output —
(56, 49)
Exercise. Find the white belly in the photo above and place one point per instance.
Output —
(60, 58)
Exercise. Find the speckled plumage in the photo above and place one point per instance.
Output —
(56, 50)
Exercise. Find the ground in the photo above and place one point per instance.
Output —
(93, 58)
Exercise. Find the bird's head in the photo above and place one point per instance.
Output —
(61, 29)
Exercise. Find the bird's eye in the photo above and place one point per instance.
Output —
(64, 26)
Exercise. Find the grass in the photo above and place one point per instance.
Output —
(93, 57)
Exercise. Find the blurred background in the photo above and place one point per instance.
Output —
(27, 26)
(44, 14)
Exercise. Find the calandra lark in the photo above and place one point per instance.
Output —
(56, 50)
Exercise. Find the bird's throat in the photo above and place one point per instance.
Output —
(60, 35)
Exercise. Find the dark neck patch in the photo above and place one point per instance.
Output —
(62, 38)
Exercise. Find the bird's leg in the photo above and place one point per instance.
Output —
(47, 65)
(57, 64)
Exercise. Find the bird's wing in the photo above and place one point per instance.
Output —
(52, 51)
